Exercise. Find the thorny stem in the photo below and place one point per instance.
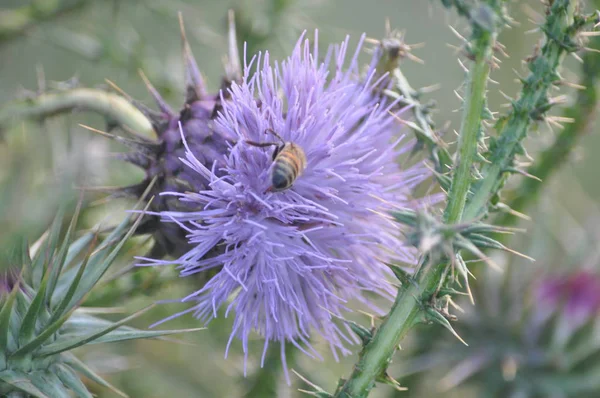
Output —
(582, 112)
(107, 104)
(470, 128)
(405, 312)
(531, 105)
(14, 22)
(560, 27)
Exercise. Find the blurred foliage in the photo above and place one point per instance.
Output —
(42, 163)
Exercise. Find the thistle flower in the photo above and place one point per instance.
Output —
(292, 259)
(160, 158)
(41, 322)
(527, 338)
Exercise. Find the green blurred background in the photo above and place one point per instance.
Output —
(42, 163)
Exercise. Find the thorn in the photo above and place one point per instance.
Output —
(456, 49)
(559, 100)
(440, 319)
(469, 246)
(118, 89)
(523, 173)
(526, 257)
(194, 82)
(414, 58)
(591, 33)
(513, 212)
(577, 57)
(370, 40)
(506, 96)
(461, 37)
(164, 107)
(430, 89)
(562, 119)
(458, 95)
(233, 69)
(464, 68)
(572, 85)
(155, 118)
(304, 379)
(408, 123)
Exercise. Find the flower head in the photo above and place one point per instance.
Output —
(292, 259)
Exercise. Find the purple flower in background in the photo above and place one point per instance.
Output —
(576, 296)
(9, 276)
(292, 259)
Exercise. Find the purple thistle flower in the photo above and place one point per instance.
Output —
(291, 260)
(575, 296)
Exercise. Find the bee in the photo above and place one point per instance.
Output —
(289, 162)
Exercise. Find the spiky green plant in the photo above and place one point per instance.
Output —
(41, 321)
(528, 337)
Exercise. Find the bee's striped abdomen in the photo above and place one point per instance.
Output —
(289, 165)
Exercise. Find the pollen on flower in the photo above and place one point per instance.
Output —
(292, 259)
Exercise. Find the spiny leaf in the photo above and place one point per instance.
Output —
(75, 250)
(122, 335)
(29, 321)
(48, 253)
(49, 384)
(65, 344)
(59, 262)
(83, 369)
(363, 333)
(78, 246)
(71, 380)
(47, 333)
(319, 391)
(63, 306)
(432, 315)
(22, 382)
(97, 269)
(5, 315)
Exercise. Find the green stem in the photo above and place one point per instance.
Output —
(14, 22)
(377, 354)
(470, 129)
(110, 105)
(405, 312)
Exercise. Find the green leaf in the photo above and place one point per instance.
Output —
(71, 380)
(83, 369)
(122, 335)
(21, 381)
(97, 270)
(61, 344)
(49, 384)
(432, 315)
(44, 259)
(41, 338)
(29, 321)
(59, 262)
(64, 307)
(75, 250)
(78, 246)
(5, 314)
